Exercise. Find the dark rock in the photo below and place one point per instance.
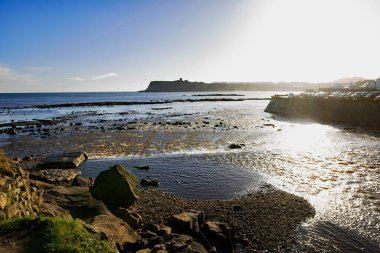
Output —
(151, 227)
(234, 146)
(164, 230)
(146, 250)
(183, 243)
(133, 219)
(17, 159)
(82, 181)
(116, 187)
(142, 167)
(145, 182)
(11, 131)
(188, 222)
(27, 159)
(237, 208)
(220, 235)
(148, 234)
(69, 161)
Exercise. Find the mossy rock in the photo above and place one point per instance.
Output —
(47, 235)
(116, 187)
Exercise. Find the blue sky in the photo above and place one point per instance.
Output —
(83, 45)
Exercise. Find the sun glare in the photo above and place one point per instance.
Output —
(306, 138)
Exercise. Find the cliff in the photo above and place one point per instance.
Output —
(187, 86)
(358, 112)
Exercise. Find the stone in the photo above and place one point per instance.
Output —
(2, 216)
(11, 131)
(27, 158)
(3, 200)
(117, 230)
(145, 182)
(133, 219)
(116, 187)
(68, 161)
(147, 250)
(151, 227)
(188, 222)
(55, 175)
(177, 242)
(148, 234)
(12, 211)
(219, 234)
(141, 167)
(195, 247)
(234, 146)
(52, 210)
(82, 181)
(164, 230)
(77, 200)
(237, 208)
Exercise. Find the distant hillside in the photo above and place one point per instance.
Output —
(349, 80)
(180, 85)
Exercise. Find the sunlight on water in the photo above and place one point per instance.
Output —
(305, 138)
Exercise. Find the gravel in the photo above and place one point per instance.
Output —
(263, 221)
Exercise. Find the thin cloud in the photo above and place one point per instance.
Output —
(101, 77)
(38, 69)
(10, 76)
(93, 78)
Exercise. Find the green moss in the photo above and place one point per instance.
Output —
(9, 226)
(56, 235)
(63, 235)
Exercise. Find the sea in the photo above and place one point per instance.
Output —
(335, 167)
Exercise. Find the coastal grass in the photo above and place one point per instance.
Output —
(56, 235)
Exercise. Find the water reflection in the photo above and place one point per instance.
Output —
(306, 138)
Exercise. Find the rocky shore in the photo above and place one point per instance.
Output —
(113, 208)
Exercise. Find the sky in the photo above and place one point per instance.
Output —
(120, 45)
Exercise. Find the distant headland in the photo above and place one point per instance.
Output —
(185, 85)
(180, 85)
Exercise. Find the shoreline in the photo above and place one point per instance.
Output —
(265, 220)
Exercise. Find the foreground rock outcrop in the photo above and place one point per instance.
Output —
(17, 198)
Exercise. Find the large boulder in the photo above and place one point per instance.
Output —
(116, 230)
(116, 187)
